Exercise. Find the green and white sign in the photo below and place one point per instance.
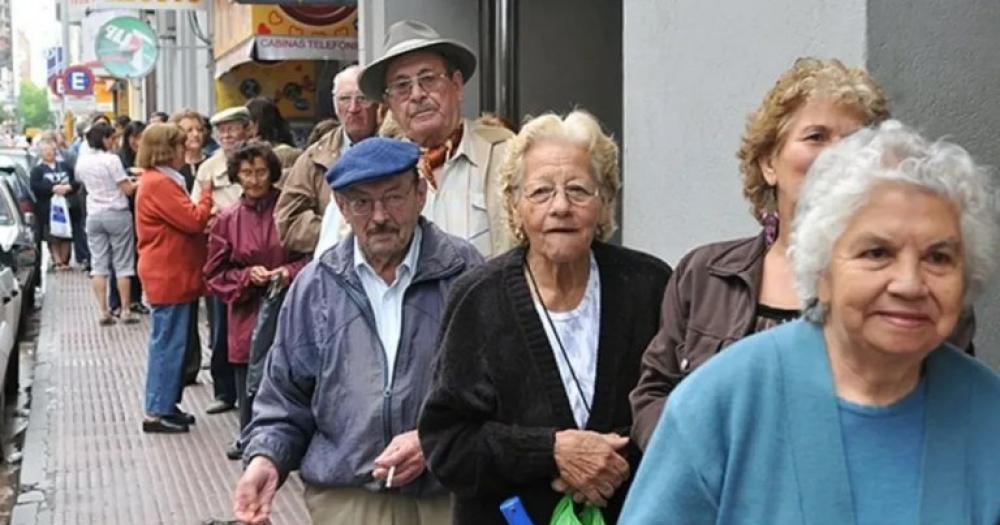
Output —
(126, 47)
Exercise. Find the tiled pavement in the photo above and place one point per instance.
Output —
(86, 460)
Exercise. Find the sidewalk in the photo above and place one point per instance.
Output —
(86, 460)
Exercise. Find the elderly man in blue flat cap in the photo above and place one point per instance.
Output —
(351, 360)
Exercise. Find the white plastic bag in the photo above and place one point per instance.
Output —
(59, 224)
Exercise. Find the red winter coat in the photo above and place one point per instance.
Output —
(244, 236)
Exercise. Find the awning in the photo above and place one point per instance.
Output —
(301, 2)
(288, 47)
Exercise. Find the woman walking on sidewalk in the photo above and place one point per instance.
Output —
(171, 254)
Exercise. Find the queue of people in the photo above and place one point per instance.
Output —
(460, 342)
(822, 371)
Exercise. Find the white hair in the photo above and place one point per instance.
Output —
(840, 182)
(354, 70)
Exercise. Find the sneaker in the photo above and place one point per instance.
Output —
(139, 308)
(162, 425)
(219, 406)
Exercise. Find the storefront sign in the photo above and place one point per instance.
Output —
(306, 48)
(126, 47)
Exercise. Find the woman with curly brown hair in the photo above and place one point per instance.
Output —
(724, 291)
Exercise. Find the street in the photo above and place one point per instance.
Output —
(86, 459)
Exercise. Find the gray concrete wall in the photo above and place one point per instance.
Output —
(938, 61)
(458, 19)
(692, 72)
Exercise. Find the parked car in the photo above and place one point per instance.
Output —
(11, 303)
(19, 178)
(18, 248)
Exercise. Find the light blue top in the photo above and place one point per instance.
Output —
(883, 446)
(754, 436)
(387, 299)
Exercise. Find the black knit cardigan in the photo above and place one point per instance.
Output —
(488, 425)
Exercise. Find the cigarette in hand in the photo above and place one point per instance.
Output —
(388, 479)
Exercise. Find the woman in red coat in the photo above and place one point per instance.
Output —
(171, 236)
(245, 255)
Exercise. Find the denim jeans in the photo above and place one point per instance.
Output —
(223, 378)
(166, 357)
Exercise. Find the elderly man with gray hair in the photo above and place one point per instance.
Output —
(862, 412)
(304, 191)
(351, 361)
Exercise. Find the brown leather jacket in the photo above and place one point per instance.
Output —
(710, 303)
(298, 213)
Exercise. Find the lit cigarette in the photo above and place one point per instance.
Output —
(388, 480)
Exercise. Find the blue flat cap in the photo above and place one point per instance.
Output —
(372, 159)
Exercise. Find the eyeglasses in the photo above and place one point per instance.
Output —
(578, 194)
(364, 206)
(347, 100)
(428, 82)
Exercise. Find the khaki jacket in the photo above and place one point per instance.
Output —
(482, 217)
(225, 192)
(305, 194)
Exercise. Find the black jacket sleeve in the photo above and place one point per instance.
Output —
(467, 448)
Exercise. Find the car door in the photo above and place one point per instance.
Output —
(17, 241)
(10, 305)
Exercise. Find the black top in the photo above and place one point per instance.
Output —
(488, 425)
(189, 172)
(770, 316)
(43, 177)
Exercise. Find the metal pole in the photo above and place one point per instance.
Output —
(64, 21)
(506, 59)
(487, 56)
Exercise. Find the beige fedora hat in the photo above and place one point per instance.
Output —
(408, 36)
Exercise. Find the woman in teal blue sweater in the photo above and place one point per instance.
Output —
(861, 413)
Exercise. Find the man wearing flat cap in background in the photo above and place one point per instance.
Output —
(232, 126)
(421, 77)
(351, 361)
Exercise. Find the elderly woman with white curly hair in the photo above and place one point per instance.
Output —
(861, 413)
(542, 344)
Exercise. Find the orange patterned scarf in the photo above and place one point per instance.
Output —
(434, 157)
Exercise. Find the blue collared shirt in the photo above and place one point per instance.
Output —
(387, 299)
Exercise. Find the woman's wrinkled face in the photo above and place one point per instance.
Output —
(896, 281)
(815, 126)
(559, 203)
(194, 133)
(255, 178)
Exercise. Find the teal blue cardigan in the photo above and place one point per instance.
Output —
(754, 437)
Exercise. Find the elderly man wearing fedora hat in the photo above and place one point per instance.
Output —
(421, 77)
(232, 126)
(351, 361)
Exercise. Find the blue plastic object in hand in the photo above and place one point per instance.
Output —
(514, 512)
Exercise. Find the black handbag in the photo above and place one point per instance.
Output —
(263, 333)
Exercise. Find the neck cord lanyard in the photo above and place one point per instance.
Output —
(562, 349)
